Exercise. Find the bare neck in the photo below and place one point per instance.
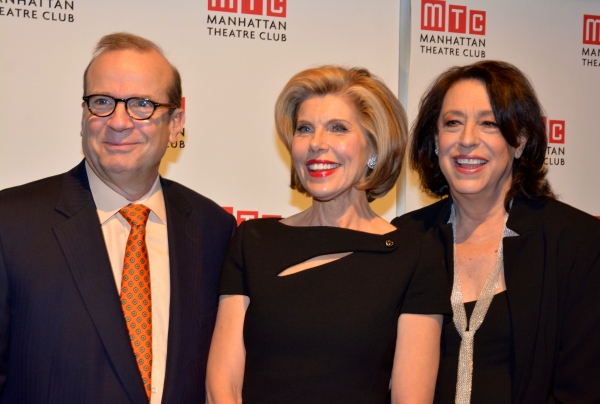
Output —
(477, 218)
(347, 212)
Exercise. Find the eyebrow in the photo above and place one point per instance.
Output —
(147, 97)
(333, 120)
(480, 114)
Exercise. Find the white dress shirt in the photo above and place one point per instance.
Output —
(116, 230)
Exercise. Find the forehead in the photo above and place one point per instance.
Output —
(126, 73)
(330, 106)
(467, 93)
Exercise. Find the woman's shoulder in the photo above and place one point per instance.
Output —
(556, 216)
(261, 227)
(422, 220)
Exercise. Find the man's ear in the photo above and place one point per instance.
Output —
(176, 122)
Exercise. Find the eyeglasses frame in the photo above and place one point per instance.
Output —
(125, 101)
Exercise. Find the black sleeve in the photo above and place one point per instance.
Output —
(4, 319)
(429, 289)
(233, 278)
(577, 373)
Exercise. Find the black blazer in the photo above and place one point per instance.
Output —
(63, 338)
(552, 273)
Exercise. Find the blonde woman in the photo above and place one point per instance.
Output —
(333, 304)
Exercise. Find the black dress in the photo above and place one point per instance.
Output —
(327, 334)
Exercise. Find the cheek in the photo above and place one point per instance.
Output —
(500, 149)
(355, 149)
(298, 151)
(90, 128)
(153, 132)
(443, 143)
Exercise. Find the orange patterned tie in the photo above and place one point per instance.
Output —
(135, 291)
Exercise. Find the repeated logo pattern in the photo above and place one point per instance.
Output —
(135, 291)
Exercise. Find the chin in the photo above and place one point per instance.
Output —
(471, 189)
(116, 166)
(483, 192)
(320, 194)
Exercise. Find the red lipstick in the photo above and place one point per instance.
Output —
(321, 168)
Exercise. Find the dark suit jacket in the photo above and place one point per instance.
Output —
(63, 338)
(552, 273)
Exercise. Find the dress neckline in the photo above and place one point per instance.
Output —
(331, 227)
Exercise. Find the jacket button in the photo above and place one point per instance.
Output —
(389, 243)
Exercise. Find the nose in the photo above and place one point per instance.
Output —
(318, 141)
(469, 137)
(120, 120)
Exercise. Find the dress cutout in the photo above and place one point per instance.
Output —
(327, 334)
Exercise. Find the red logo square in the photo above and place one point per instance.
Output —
(276, 8)
(433, 15)
(228, 6)
(591, 29)
(457, 19)
(556, 131)
(243, 215)
(477, 22)
(252, 7)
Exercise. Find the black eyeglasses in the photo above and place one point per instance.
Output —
(137, 108)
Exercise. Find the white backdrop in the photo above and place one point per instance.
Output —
(230, 82)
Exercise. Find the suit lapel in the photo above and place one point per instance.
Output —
(185, 257)
(524, 273)
(80, 237)
(444, 234)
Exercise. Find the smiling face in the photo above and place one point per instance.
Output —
(117, 146)
(474, 156)
(329, 149)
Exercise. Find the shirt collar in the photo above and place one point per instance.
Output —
(108, 202)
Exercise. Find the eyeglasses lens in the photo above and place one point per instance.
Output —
(137, 108)
(101, 106)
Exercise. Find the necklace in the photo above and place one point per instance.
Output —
(465, 357)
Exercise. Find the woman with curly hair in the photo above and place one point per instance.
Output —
(525, 268)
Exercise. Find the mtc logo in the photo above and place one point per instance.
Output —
(273, 8)
(555, 130)
(243, 215)
(435, 16)
(591, 29)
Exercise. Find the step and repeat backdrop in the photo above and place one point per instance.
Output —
(555, 43)
(236, 55)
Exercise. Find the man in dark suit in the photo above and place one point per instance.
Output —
(67, 329)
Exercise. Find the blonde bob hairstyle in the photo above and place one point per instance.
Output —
(380, 115)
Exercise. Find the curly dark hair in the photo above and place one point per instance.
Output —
(517, 111)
